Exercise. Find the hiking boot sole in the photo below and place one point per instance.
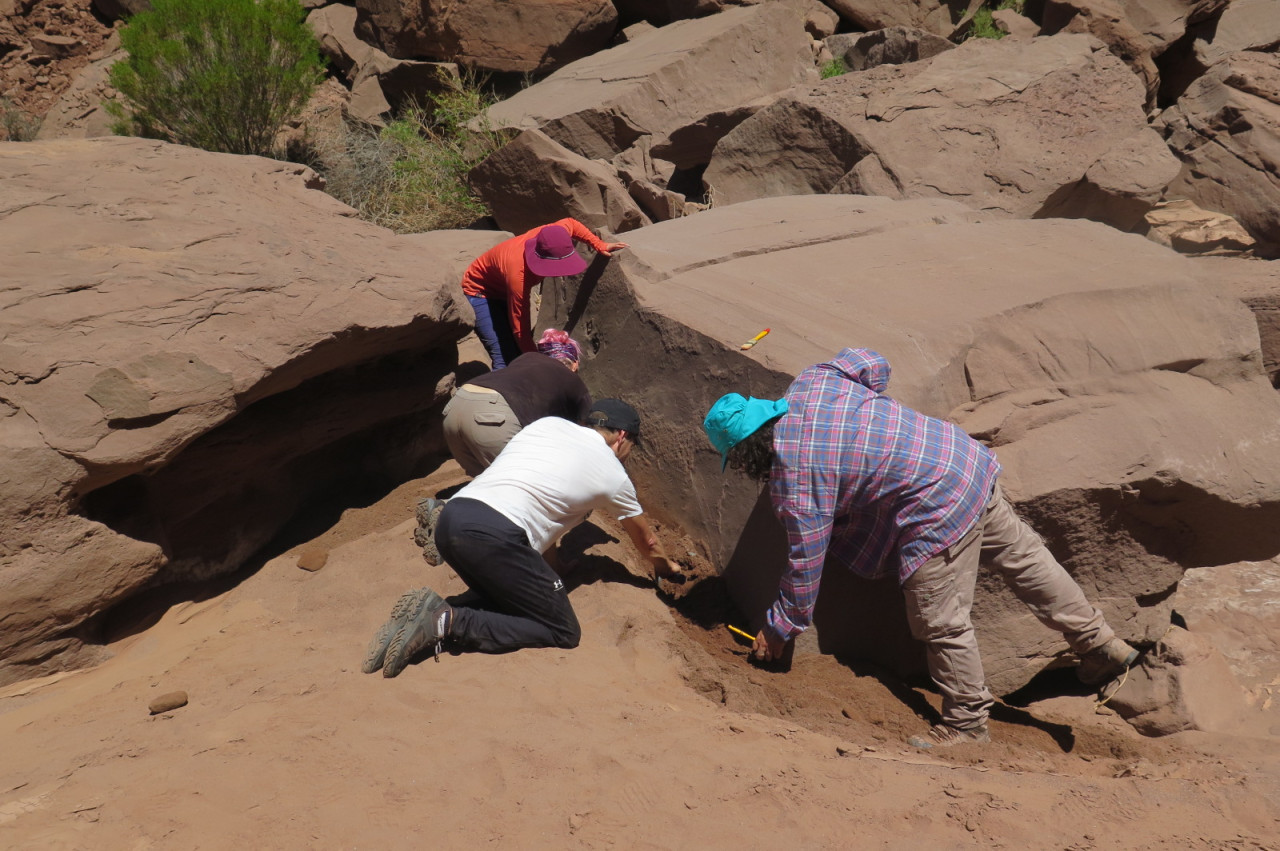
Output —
(416, 633)
(376, 655)
(428, 514)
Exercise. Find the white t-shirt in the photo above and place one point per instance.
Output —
(550, 476)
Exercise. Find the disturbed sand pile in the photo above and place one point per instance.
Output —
(654, 733)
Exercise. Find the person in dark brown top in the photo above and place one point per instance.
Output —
(488, 411)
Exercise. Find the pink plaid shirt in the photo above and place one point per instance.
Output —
(861, 481)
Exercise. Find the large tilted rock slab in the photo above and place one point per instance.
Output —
(533, 180)
(191, 344)
(495, 35)
(931, 15)
(1125, 400)
(1226, 132)
(665, 79)
(1021, 128)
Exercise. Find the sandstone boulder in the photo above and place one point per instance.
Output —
(1183, 683)
(335, 29)
(494, 35)
(1226, 132)
(1015, 25)
(79, 112)
(1183, 226)
(1235, 608)
(934, 16)
(1107, 21)
(599, 106)
(533, 180)
(892, 46)
(1255, 282)
(1122, 186)
(998, 125)
(1125, 400)
(192, 343)
(1242, 25)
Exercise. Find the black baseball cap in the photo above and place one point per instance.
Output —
(617, 414)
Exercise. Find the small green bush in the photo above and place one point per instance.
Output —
(411, 175)
(18, 124)
(984, 26)
(834, 68)
(222, 75)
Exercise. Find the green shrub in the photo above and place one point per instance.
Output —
(411, 175)
(834, 68)
(222, 75)
(18, 124)
(984, 26)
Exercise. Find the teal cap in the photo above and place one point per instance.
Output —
(734, 418)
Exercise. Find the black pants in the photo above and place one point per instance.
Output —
(520, 601)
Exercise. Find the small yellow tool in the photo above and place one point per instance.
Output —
(748, 636)
(757, 338)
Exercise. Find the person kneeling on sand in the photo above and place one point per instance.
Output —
(864, 482)
(486, 412)
(494, 531)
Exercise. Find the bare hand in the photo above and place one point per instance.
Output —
(665, 568)
(766, 647)
(610, 247)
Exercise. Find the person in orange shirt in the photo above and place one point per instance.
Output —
(498, 282)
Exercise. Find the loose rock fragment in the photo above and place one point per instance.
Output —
(168, 702)
(313, 559)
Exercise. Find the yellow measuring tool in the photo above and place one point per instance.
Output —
(748, 636)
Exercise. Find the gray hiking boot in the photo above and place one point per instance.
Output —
(424, 536)
(406, 605)
(1103, 664)
(424, 628)
(942, 736)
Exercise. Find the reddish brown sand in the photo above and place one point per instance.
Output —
(654, 733)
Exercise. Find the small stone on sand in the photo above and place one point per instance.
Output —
(168, 702)
(313, 559)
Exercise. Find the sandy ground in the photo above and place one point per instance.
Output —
(654, 733)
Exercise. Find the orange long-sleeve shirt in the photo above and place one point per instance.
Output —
(501, 273)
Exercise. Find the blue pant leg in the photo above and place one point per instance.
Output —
(493, 327)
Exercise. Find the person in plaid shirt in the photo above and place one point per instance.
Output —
(866, 483)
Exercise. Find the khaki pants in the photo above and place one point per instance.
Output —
(477, 425)
(940, 596)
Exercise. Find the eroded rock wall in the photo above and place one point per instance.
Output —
(1126, 402)
(191, 345)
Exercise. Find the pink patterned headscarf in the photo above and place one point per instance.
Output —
(559, 345)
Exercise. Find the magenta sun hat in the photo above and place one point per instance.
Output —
(551, 254)
(734, 418)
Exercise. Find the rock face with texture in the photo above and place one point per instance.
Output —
(533, 180)
(664, 80)
(1126, 401)
(495, 35)
(931, 15)
(190, 344)
(1183, 683)
(892, 46)
(999, 126)
(1226, 132)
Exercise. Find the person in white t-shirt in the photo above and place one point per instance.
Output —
(494, 531)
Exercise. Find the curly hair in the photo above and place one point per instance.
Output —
(754, 455)
(559, 345)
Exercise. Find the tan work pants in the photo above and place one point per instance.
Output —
(940, 596)
(477, 425)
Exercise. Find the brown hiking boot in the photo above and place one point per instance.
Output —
(1103, 664)
(942, 736)
(424, 536)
